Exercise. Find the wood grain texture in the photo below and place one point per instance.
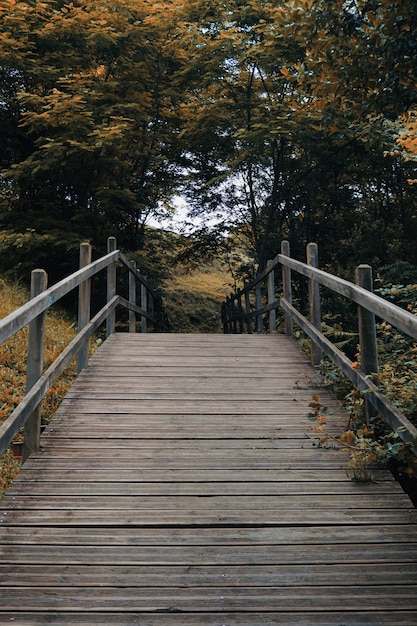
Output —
(178, 485)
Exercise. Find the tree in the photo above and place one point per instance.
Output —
(276, 119)
(297, 124)
(93, 108)
(361, 59)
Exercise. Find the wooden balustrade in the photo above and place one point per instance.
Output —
(27, 414)
(369, 306)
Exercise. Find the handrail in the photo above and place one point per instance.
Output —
(27, 312)
(27, 413)
(369, 305)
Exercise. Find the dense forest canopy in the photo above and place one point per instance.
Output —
(276, 119)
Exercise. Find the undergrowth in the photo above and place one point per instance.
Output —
(374, 443)
(371, 444)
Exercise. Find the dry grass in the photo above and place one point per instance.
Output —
(193, 299)
(13, 353)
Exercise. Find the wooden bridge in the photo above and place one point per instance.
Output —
(178, 485)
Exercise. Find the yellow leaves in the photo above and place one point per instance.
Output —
(348, 436)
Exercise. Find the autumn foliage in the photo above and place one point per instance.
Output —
(290, 119)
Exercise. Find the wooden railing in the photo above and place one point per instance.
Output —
(27, 414)
(254, 308)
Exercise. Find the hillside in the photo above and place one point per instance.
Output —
(193, 280)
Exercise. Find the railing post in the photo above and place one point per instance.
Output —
(229, 315)
(84, 300)
(32, 429)
(144, 306)
(367, 333)
(258, 300)
(314, 300)
(271, 299)
(248, 312)
(240, 310)
(233, 316)
(132, 297)
(151, 303)
(111, 287)
(286, 287)
(224, 318)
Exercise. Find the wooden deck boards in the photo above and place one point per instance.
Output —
(178, 486)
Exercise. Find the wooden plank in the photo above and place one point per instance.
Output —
(160, 618)
(203, 598)
(311, 476)
(212, 503)
(219, 536)
(225, 489)
(140, 576)
(360, 554)
(196, 518)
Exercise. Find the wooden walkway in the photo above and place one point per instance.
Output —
(178, 486)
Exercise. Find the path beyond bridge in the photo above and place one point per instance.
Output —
(178, 485)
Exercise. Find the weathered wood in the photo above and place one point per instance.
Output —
(116, 554)
(32, 429)
(258, 301)
(314, 301)
(29, 311)
(111, 287)
(132, 297)
(248, 311)
(220, 575)
(18, 417)
(286, 286)
(351, 617)
(377, 544)
(271, 299)
(284, 599)
(398, 422)
(165, 494)
(367, 335)
(400, 318)
(84, 305)
(219, 488)
(33, 313)
(144, 307)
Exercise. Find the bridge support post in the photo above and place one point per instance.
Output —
(239, 309)
(151, 303)
(367, 334)
(132, 297)
(111, 287)
(84, 300)
(32, 429)
(259, 318)
(286, 287)
(144, 306)
(271, 299)
(314, 299)
(248, 311)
